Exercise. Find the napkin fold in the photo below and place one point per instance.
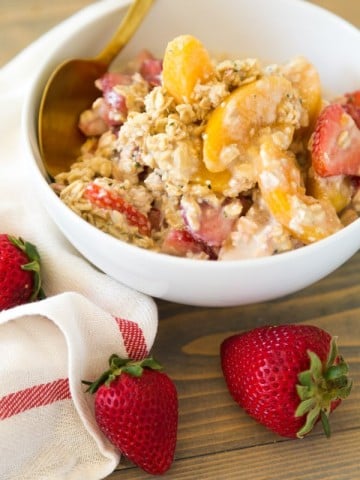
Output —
(47, 425)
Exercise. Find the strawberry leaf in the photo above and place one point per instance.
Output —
(319, 386)
(116, 362)
(333, 352)
(118, 366)
(316, 366)
(305, 378)
(303, 391)
(345, 391)
(304, 407)
(135, 370)
(150, 362)
(311, 419)
(325, 423)
(336, 371)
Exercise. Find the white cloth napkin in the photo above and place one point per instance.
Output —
(47, 426)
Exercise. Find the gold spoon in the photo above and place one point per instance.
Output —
(71, 89)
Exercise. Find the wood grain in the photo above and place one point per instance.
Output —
(216, 439)
(273, 461)
(23, 21)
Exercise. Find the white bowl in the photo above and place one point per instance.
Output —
(275, 31)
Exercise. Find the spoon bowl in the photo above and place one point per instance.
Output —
(71, 89)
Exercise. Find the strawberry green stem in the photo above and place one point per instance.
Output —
(118, 365)
(319, 386)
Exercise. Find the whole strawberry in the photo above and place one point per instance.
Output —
(20, 280)
(136, 407)
(286, 377)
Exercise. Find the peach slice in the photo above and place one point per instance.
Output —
(186, 63)
(306, 79)
(307, 218)
(217, 182)
(241, 117)
(337, 189)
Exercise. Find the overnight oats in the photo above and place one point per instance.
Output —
(216, 159)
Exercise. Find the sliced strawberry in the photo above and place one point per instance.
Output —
(335, 144)
(113, 109)
(214, 226)
(115, 101)
(352, 106)
(104, 198)
(181, 242)
(150, 70)
(110, 79)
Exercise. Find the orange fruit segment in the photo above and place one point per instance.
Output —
(240, 118)
(186, 62)
(307, 218)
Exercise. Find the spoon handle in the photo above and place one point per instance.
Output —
(131, 21)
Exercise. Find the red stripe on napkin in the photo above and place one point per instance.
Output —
(34, 397)
(133, 338)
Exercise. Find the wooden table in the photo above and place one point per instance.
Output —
(216, 440)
